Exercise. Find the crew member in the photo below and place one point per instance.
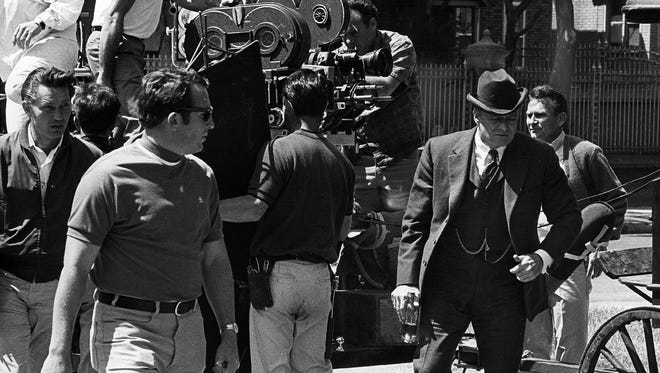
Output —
(560, 332)
(42, 165)
(95, 109)
(301, 194)
(389, 139)
(34, 34)
(147, 216)
(115, 48)
(469, 240)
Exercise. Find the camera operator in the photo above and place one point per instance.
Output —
(389, 139)
(301, 194)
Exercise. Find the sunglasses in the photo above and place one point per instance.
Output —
(206, 112)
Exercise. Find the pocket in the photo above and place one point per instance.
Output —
(260, 295)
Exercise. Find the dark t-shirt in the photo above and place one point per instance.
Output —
(150, 210)
(308, 185)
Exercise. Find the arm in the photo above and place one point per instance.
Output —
(604, 179)
(389, 83)
(78, 259)
(242, 209)
(404, 63)
(219, 287)
(111, 33)
(415, 232)
(560, 207)
(59, 15)
(200, 5)
(345, 227)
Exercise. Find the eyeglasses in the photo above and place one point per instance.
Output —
(206, 112)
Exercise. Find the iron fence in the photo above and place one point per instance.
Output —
(614, 103)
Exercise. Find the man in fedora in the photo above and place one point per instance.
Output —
(469, 251)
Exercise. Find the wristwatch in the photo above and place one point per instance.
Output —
(232, 326)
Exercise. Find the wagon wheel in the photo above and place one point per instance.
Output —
(625, 343)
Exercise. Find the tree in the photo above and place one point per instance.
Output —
(564, 61)
(513, 14)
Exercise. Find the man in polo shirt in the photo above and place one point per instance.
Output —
(42, 165)
(301, 194)
(147, 217)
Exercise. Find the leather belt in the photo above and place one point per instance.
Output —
(303, 258)
(178, 308)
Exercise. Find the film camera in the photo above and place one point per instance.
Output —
(290, 34)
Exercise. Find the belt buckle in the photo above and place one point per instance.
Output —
(179, 313)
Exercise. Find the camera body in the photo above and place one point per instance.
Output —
(292, 34)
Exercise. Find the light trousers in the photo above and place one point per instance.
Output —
(290, 336)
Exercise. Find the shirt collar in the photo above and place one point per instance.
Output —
(559, 141)
(483, 149)
(33, 145)
(166, 155)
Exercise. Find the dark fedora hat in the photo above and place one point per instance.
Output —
(497, 93)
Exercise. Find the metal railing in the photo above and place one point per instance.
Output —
(616, 108)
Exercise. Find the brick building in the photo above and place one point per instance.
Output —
(441, 28)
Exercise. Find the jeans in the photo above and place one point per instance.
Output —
(138, 341)
(26, 314)
(290, 336)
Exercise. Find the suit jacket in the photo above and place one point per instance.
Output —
(590, 175)
(532, 179)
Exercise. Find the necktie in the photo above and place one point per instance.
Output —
(492, 169)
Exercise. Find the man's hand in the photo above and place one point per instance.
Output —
(24, 34)
(404, 296)
(226, 357)
(56, 363)
(528, 267)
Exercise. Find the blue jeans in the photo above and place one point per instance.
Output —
(290, 336)
(137, 341)
(26, 314)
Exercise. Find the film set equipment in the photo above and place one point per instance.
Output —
(290, 35)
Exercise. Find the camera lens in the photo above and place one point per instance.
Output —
(378, 62)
